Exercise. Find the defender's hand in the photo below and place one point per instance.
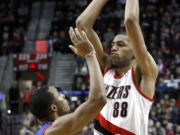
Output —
(82, 45)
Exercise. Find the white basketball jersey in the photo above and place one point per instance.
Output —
(127, 108)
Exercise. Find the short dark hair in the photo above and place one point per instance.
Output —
(40, 103)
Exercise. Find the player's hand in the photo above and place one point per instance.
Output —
(82, 45)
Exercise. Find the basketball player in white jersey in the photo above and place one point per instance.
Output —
(130, 73)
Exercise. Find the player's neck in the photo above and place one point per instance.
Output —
(52, 118)
(55, 116)
(123, 70)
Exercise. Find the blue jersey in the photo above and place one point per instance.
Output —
(43, 128)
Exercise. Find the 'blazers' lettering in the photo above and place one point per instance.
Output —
(126, 91)
(117, 92)
(112, 92)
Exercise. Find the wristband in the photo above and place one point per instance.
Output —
(89, 54)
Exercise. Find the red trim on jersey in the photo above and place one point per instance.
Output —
(111, 127)
(106, 70)
(45, 129)
(116, 76)
(138, 89)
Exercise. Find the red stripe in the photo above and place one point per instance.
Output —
(106, 71)
(45, 129)
(138, 89)
(111, 127)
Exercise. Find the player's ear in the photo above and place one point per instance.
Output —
(53, 108)
(133, 57)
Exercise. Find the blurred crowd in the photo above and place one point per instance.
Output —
(14, 18)
(164, 116)
(160, 23)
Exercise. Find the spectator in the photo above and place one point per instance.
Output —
(26, 99)
(14, 98)
(159, 129)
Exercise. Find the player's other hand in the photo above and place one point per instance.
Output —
(82, 45)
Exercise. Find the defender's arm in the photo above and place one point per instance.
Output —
(72, 123)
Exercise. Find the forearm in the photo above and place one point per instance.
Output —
(97, 89)
(90, 14)
(134, 31)
(132, 10)
(86, 21)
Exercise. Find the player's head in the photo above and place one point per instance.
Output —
(121, 52)
(47, 102)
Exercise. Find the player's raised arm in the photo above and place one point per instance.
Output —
(86, 22)
(71, 123)
(145, 62)
(144, 59)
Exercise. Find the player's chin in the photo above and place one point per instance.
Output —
(114, 62)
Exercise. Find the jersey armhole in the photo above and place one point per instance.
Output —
(138, 89)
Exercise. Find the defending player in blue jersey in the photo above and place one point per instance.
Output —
(53, 109)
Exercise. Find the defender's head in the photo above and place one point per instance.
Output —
(46, 102)
(121, 52)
